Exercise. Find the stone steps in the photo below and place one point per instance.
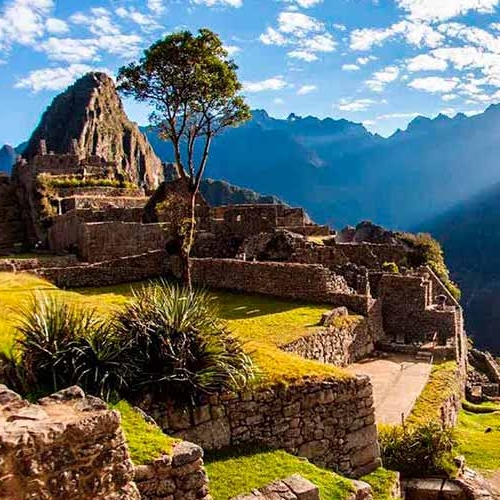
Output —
(424, 356)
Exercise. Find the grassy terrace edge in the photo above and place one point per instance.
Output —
(262, 323)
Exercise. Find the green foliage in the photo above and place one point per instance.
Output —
(61, 344)
(428, 251)
(417, 451)
(442, 384)
(145, 440)
(383, 482)
(181, 347)
(390, 267)
(234, 471)
(75, 182)
(486, 407)
(192, 84)
(262, 323)
(478, 438)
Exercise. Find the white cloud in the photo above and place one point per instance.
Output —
(145, 21)
(355, 105)
(392, 116)
(350, 67)
(415, 33)
(306, 35)
(305, 4)
(156, 6)
(298, 24)
(222, 3)
(232, 50)
(56, 26)
(381, 78)
(98, 21)
(434, 84)
(303, 55)
(362, 61)
(440, 10)
(273, 37)
(449, 97)
(306, 89)
(278, 101)
(54, 78)
(23, 21)
(426, 62)
(69, 49)
(276, 83)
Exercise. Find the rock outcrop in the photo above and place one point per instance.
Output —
(91, 111)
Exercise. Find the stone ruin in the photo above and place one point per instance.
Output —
(118, 231)
(92, 227)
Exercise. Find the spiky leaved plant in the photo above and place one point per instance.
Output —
(62, 344)
(181, 347)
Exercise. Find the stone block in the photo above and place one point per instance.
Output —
(302, 488)
(185, 452)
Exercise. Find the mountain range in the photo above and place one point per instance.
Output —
(341, 173)
(470, 235)
(435, 176)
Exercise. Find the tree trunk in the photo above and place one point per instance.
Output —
(188, 242)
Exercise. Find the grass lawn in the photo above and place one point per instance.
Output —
(441, 385)
(480, 448)
(263, 323)
(382, 482)
(146, 442)
(241, 471)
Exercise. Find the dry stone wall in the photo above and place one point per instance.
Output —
(102, 241)
(111, 272)
(67, 447)
(342, 345)
(288, 280)
(408, 310)
(180, 476)
(369, 255)
(331, 422)
(12, 232)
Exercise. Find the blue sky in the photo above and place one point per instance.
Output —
(379, 62)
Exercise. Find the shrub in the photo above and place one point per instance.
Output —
(181, 347)
(60, 345)
(417, 451)
(390, 267)
(428, 251)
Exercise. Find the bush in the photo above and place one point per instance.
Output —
(167, 340)
(181, 348)
(428, 251)
(417, 451)
(390, 267)
(61, 345)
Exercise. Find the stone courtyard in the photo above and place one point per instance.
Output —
(397, 381)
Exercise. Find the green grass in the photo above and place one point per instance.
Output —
(146, 442)
(382, 482)
(480, 448)
(263, 323)
(442, 384)
(236, 472)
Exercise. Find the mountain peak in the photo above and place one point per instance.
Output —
(91, 112)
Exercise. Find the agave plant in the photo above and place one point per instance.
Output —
(62, 344)
(180, 345)
(48, 330)
(102, 363)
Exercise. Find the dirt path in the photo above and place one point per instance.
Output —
(397, 382)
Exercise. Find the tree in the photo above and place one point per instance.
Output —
(193, 87)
